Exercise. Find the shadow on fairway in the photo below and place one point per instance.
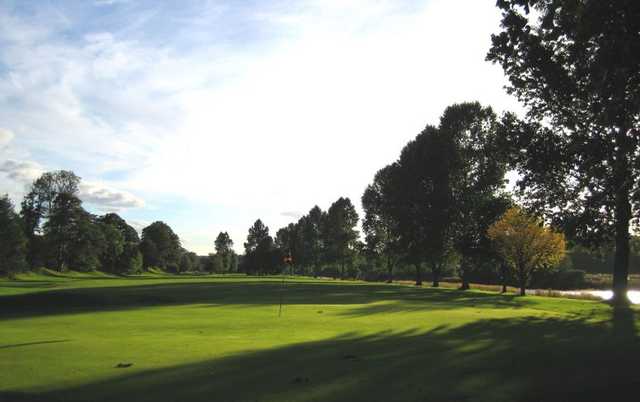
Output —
(246, 292)
(18, 345)
(490, 360)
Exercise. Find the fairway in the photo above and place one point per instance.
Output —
(187, 338)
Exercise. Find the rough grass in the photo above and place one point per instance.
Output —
(165, 338)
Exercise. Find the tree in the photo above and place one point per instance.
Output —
(125, 257)
(577, 69)
(379, 225)
(38, 203)
(342, 235)
(422, 203)
(13, 243)
(160, 247)
(526, 245)
(259, 250)
(130, 235)
(72, 236)
(311, 231)
(224, 249)
(113, 247)
(476, 171)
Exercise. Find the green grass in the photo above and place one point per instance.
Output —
(221, 339)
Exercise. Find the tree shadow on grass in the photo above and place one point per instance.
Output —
(521, 359)
(245, 292)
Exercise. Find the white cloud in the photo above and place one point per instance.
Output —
(108, 199)
(23, 172)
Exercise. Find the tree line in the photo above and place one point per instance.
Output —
(574, 65)
(53, 230)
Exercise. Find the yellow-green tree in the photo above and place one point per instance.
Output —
(526, 244)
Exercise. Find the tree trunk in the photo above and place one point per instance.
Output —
(522, 279)
(342, 270)
(503, 270)
(464, 275)
(622, 217)
(390, 270)
(418, 275)
(435, 270)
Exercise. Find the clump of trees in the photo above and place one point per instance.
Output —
(53, 230)
(319, 240)
(575, 65)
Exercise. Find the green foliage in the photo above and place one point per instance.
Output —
(160, 247)
(341, 234)
(72, 236)
(575, 65)
(13, 243)
(261, 256)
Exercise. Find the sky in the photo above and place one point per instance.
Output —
(208, 115)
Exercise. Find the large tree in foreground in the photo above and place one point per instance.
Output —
(575, 64)
(526, 245)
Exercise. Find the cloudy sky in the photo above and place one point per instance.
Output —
(210, 114)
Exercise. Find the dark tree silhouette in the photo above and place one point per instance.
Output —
(576, 66)
(379, 225)
(341, 232)
(13, 243)
(160, 247)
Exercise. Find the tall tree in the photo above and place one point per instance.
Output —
(72, 236)
(259, 250)
(575, 64)
(13, 243)
(526, 245)
(476, 170)
(38, 203)
(224, 249)
(379, 225)
(311, 230)
(422, 203)
(342, 234)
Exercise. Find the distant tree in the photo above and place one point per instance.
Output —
(341, 232)
(72, 236)
(526, 245)
(380, 226)
(311, 228)
(224, 249)
(289, 241)
(576, 67)
(113, 247)
(130, 235)
(131, 259)
(37, 205)
(120, 258)
(13, 242)
(160, 247)
(259, 250)
(186, 263)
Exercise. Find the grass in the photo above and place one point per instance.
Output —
(188, 338)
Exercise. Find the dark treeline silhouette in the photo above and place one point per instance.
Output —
(319, 243)
(53, 230)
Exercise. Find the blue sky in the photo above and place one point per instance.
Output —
(210, 114)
